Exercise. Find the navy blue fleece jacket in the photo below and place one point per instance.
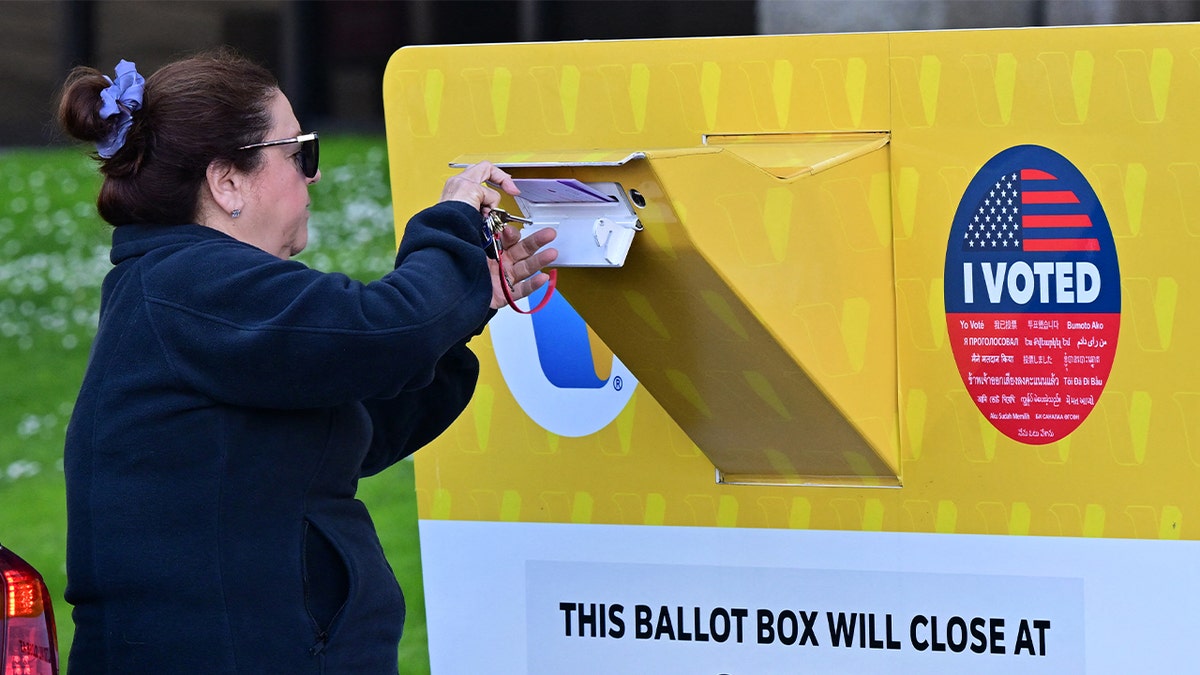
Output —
(231, 403)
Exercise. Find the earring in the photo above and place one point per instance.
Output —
(236, 212)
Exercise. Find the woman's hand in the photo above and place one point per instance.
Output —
(522, 264)
(469, 186)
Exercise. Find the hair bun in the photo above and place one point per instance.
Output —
(79, 106)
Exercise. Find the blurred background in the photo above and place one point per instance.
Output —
(330, 54)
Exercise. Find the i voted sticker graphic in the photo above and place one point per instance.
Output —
(560, 373)
(1033, 294)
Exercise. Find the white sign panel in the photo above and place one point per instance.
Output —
(552, 598)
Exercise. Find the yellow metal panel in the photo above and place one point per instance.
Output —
(1117, 102)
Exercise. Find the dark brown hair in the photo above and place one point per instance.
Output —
(195, 111)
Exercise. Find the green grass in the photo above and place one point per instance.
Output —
(53, 255)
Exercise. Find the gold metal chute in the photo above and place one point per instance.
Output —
(725, 311)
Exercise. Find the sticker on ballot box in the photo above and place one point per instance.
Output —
(1033, 294)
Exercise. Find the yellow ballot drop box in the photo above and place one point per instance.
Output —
(869, 353)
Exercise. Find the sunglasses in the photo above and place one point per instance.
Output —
(310, 151)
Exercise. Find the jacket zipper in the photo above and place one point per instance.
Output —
(322, 642)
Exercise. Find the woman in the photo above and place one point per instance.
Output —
(234, 398)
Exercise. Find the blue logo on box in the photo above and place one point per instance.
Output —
(564, 346)
(559, 372)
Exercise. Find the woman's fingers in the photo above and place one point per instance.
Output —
(531, 266)
(523, 248)
(486, 172)
(522, 258)
(471, 186)
(513, 286)
(520, 272)
(510, 238)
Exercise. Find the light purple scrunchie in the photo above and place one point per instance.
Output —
(122, 98)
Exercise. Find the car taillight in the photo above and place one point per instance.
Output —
(28, 640)
(23, 594)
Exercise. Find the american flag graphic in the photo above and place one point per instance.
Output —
(1030, 210)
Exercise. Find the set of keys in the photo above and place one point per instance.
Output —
(493, 223)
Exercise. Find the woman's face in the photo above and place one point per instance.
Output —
(275, 217)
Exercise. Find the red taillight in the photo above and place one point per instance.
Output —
(28, 640)
(23, 595)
